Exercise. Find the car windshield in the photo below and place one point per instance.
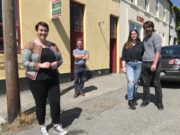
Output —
(171, 51)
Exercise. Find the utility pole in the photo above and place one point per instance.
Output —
(10, 53)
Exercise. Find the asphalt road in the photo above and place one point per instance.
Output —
(108, 113)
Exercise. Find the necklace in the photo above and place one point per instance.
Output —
(133, 44)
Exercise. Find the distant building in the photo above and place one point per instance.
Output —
(133, 13)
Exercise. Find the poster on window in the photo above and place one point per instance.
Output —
(55, 8)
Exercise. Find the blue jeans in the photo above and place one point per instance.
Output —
(133, 72)
(79, 78)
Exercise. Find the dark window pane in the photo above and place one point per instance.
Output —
(113, 27)
(1, 10)
(76, 17)
(171, 51)
(1, 44)
(1, 31)
(1, 28)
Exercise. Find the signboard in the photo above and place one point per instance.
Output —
(140, 19)
(55, 8)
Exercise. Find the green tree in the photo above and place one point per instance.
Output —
(177, 12)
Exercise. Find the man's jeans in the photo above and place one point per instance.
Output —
(79, 78)
(133, 72)
(147, 75)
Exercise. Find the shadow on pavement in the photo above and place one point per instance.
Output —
(139, 96)
(30, 110)
(89, 89)
(172, 85)
(67, 90)
(68, 116)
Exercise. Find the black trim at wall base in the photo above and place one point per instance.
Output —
(66, 77)
(95, 73)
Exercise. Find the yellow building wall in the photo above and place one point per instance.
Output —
(96, 30)
(33, 11)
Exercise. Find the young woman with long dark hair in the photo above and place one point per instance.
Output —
(131, 64)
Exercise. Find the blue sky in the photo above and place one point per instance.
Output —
(176, 2)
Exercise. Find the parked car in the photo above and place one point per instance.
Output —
(170, 63)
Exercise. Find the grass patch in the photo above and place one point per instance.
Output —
(22, 121)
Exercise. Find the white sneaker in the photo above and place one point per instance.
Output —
(44, 131)
(60, 130)
(2, 120)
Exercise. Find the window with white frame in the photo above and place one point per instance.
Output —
(168, 15)
(163, 38)
(146, 5)
(157, 8)
(164, 12)
(152, 7)
(133, 1)
(161, 9)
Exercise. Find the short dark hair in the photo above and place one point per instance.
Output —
(79, 39)
(41, 24)
(148, 24)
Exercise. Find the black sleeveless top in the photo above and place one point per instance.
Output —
(47, 55)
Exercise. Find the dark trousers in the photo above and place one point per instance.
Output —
(79, 78)
(147, 75)
(41, 89)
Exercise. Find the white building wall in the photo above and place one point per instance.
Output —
(161, 11)
(173, 34)
(129, 12)
(123, 24)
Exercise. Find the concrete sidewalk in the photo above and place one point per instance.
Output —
(93, 88)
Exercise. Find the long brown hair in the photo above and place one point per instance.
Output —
(128, 44)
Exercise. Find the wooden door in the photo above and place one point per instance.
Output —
(113, 44)
(76, 30)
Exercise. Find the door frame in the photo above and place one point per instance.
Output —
(75, 34)
(113, 44)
